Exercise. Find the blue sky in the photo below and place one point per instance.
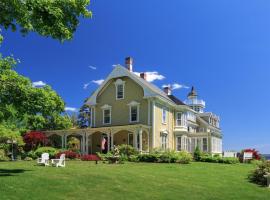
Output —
(221, 47)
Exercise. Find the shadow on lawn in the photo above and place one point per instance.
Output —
(11, 172)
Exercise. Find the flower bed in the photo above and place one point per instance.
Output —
(90, 157)
(68, 154)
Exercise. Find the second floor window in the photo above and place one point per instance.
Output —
(106, 116)
(134, 114)
(164, 115)
(181, 119)
(134, 108)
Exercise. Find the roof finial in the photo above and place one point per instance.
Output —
(192, 93)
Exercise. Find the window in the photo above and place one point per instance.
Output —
(181, 119)
(178, 144)
(120, 92)
(164, 141)
(164, 115)
(130, 139)
(120, 89)
(204, 144)
(107, 116)
(134, 108)
(134, 113)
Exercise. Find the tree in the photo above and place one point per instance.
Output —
(84, 118)
(51, 18)
(34, 139)
(28, 107)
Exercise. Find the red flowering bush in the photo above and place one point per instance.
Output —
(68, 154)
(34, 139)
(90, 157)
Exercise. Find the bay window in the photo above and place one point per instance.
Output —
(181, 119)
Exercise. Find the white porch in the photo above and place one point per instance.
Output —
(92, 139)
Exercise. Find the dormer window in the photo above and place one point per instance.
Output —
(134, 108)
(120, 89)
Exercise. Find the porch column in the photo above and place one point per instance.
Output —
(148, 142)
(108, 141)
(83, 143)
(135, 138)
(140, 140)
(86, 143)
(111, 141)
(63, 141)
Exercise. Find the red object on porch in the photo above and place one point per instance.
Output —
(90, 157)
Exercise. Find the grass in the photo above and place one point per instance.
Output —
(85, 180)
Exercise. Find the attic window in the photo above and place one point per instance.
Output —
(120, 89)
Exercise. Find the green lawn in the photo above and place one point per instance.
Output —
(85, 180)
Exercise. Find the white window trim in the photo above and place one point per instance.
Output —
(166, 117)
(107, 107)
(119, 82)
(131, 104)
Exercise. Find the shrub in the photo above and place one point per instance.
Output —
(28, 159)
(68, 154)
(3, 156)
(74, 144)
(184, 157)
(127, 150)
(230, 160)
(50, 150)
(197, 154)
(218, 159)
(133, 158)
(34, 139)
(90, 157)
(31, 154)
(257, 176)
(151, 157)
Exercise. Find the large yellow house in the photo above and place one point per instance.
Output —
(127, 109)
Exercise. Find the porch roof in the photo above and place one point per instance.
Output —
(104, 129)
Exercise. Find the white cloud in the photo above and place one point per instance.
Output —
(176, 86)
(85, 86)
(151, 76)
(38, 84)
(92, 67)
(71, 109)
(98, 82)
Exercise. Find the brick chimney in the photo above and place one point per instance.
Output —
(143, 75)
(129, 63)
(167, 90)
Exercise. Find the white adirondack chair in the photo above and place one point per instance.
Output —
(44, 160)
(267, 176)
(59, 162)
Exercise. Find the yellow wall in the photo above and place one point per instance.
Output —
(120, 108)
(159, 126)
